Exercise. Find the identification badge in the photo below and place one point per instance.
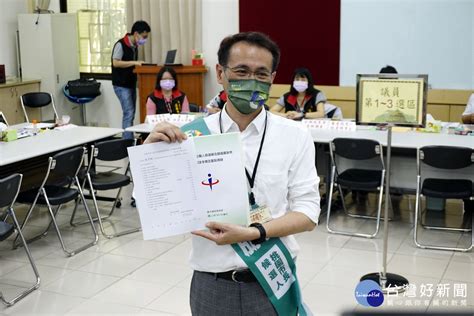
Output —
(260, 214)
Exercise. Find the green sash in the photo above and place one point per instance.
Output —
(275, 270)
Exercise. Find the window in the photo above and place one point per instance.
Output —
(100, 24)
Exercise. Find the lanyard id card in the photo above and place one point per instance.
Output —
(259, 214)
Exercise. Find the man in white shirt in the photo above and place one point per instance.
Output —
(468, 115)
(279, 160)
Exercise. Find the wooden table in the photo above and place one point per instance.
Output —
(190, 81)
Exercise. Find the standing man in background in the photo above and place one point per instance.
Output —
(124, 60)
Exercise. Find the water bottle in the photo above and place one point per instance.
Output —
(34, 129)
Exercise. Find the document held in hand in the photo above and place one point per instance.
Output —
(180, 187)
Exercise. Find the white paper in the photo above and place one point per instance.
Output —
(176, 119)
(180, 187)
(40, 125)
(221, 164)
(327, 124)
(164, 185)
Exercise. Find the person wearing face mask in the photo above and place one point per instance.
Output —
(278, 156)
(167, 98)
(303, 100)
(217, 103)
(124, 81)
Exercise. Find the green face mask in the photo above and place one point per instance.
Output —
(248, 95)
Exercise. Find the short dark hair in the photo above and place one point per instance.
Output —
(303, 72)
(388, 70)
(252, 38)
(160, 74)
(140, 27)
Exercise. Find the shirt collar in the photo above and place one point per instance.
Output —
(127, 41)
(292, 99)
(175, 93)
(228, 125)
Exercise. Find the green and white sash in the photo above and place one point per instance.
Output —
(275, 270)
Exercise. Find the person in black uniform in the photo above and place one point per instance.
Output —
(167, 98)
(124, 81)
(303, 99)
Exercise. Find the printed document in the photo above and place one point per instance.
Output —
(179, 187)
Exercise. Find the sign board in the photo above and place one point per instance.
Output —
(391, 98)
(325, 124)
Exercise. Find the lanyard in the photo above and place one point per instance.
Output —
(168, 107)
(177, 106)
(251, 179)
(300, 107)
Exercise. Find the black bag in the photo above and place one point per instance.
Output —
(84, 88)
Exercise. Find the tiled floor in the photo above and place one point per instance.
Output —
(129, 276)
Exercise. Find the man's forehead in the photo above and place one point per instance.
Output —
(252, 56)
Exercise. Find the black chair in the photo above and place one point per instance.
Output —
(360, 179)
(38, 100)
(56, 189)
(330, 114)
(10, 187)
(193, 107)
(109, 150)
(448, 187)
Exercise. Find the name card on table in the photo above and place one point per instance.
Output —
(330, 125)
(176, 119)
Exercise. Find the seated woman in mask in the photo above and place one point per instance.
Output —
(303, 100)
(167, 98)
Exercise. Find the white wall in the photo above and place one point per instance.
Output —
(219, 19)
(105, 110)
(434, 37)
(9, 9)
(8, 26)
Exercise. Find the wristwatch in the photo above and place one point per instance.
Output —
(263, 233)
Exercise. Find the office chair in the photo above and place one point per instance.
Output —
(331, 113)
(357, 178)
(448, 158)
(193, 107)
(109, 150)
(56, 190)
(10, 186)
(38, 100)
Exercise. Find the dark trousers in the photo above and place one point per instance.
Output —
(214, 296)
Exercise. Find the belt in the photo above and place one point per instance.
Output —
(239, 276)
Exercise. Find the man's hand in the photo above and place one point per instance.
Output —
(165, 132)
(225, 234)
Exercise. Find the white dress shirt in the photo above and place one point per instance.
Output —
(286, 180)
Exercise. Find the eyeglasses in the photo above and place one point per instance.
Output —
(243, 72)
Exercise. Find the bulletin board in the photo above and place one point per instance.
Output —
(391, 98)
